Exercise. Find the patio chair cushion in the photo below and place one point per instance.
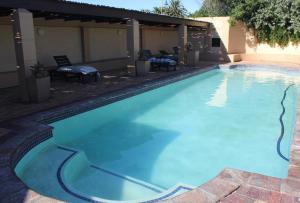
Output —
(85, 70)
(172, 57)
(163, 61)
(145, 54)
(64, 66)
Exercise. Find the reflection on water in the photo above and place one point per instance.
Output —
(219, 98)
(264, 77)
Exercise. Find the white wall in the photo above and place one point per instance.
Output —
(220, 30)
(57, 37)
(156, 40)
(52, 41)
(8, 70)
(7, 52)
(252, 47)
(238, 41)
(106, 43)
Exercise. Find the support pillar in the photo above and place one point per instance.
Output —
(182, 41)
(25, 49)
(209, 38)
(133, 40)
(85, 46)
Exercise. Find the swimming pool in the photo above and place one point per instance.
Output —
(169, 140)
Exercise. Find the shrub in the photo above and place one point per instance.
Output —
(274, 21)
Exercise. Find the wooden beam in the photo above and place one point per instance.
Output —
(5, 12)
(73, 8)
(85, 20)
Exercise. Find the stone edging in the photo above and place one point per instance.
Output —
(294, 164)
(237, 186)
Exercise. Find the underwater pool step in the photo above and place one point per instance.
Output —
(93, 183)
(130, 179)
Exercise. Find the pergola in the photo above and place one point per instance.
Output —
(23, 14)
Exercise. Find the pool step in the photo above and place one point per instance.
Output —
(92, 183)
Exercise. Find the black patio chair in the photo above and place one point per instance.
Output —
(67, 70)
(158, 61)
(172, 56)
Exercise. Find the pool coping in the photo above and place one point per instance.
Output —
(26, 132)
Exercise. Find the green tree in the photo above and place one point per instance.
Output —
(273, 21)
(212, 8)
(176, 9)
(215, 8)
(172, 8)
(160, 10)
(200, 13)
(146, 11)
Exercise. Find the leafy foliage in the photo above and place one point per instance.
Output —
(212, 8)
(146, 11)
(173, 8)
(200, 13)
(273, 21)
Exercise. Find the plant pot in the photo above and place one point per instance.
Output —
(193, 58)
(142, 67)
(39, 89)
(131, 70)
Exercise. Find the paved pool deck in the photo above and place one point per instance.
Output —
(19, 135)
(63, 93)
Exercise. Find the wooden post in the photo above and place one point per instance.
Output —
(182, 41)
(85, 49)
(133, 40)
(25, 49)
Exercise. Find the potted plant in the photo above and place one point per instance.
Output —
(39, 83)
(192, 54)
(142, 65)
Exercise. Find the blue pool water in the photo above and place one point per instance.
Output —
(169, 140)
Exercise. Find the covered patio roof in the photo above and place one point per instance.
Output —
(23, 13)
(66, 10)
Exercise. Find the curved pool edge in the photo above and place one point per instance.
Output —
(63, 173)
(24, 134)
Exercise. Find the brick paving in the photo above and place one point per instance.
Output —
(235, 186)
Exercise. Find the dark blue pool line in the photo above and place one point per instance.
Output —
(282, 124)
(123, 177)
(169, 194)
(62, 184)
(66, 189)
(115, 174)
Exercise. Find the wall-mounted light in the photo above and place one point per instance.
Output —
(40, 31)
